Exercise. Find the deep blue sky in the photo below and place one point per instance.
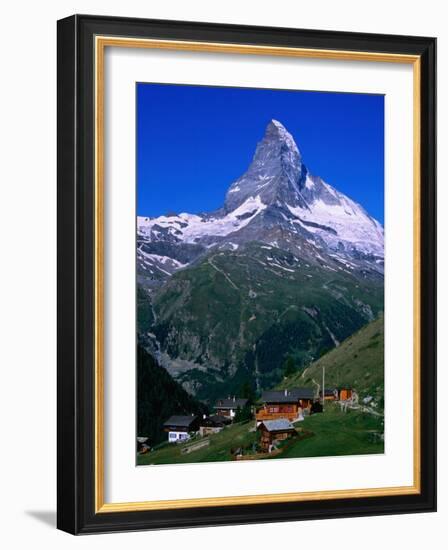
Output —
(194, 141)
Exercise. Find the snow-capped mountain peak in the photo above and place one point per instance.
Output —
(276, 130)
(277, 192)
(275, 173)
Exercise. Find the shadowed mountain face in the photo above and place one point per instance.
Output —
(288, 266)
(159, 397)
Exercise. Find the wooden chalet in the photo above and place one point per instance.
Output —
(345, 393)
(179, 427)
(274, 430)
(213, 424)
(286, 404)
(228, 407)
(331, 394)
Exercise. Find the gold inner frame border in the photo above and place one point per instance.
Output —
(100, 44)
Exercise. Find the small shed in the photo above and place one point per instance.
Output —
(179, 427)
(142, 445)
(274, 430)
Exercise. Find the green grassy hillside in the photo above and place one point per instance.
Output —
(358, 362)
(236, 316)
(338, 434)
(218, 450)
(332, 433)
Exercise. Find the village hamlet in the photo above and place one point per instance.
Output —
(278, 423)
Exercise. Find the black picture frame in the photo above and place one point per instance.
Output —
(76, 255)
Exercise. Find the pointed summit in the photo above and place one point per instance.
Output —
(275, 173)
(276, 130)
(275, 201)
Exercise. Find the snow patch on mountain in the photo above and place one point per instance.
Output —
(352, 227)
(190, 228)
(164, 260)
(277, 201)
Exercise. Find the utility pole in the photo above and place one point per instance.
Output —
(323, 388)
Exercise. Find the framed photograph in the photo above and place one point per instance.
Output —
(246, 274)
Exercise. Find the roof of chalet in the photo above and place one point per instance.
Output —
(219, 418)
(279, 425)
(287, 396)
(180, 421)
(215, 420)
(231, 403)
(329, 391)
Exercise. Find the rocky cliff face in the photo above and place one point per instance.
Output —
(288, 265)
(276, 174)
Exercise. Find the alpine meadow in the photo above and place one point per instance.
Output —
(260, 302)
